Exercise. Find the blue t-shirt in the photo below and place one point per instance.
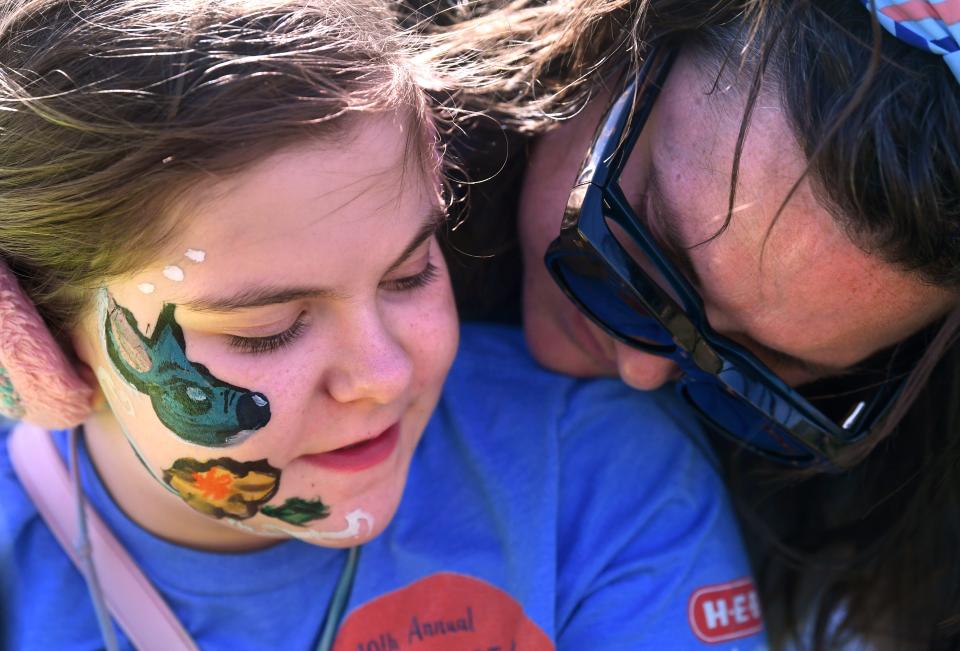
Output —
(541, 512)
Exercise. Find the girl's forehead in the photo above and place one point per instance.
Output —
(307, 215)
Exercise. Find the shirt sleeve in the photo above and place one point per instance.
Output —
(650, 554)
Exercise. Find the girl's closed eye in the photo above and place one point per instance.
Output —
(410, 283)
(269, 343)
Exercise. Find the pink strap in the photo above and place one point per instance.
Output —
(139, 610)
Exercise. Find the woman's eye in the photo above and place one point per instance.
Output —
(261, 345)
(416, 281)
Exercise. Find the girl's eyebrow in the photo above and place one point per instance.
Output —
(429, 228)
(263, 296)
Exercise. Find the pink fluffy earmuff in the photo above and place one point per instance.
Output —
(38, 383)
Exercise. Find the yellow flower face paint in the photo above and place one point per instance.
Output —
(223, 487)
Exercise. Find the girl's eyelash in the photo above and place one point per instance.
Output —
(422, 279)
(261, 345)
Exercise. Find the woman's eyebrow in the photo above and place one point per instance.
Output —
(263, 296)
(667, 227)
(670, 240)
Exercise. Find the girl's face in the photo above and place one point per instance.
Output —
(276, 368)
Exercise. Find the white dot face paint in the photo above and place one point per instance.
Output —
(352, 530)
(196, 255)
(147, 288)
(174, 273)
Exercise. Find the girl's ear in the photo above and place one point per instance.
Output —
(38, 383)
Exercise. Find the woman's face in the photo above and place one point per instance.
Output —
(806, 300)
(277, 367)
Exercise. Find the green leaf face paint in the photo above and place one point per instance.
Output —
(298, 511)
(187, 398)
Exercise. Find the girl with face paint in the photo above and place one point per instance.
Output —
(222, 295)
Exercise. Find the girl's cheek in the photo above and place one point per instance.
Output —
(436, 333)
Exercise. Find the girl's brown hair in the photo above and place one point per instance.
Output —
(112, 108)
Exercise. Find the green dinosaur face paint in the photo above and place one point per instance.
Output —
(200, 408)
(187, 398)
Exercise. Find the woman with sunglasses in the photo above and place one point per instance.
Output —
(760, 202)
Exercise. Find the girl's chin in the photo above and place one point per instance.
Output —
(350, 518)
(337, 529)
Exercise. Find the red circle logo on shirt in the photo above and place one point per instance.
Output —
(442, 612)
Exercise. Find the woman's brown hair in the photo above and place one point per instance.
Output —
(869, 553)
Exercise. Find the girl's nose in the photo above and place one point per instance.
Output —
(371, 365)
(642, 370)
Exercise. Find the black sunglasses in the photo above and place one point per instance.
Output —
(643, 300)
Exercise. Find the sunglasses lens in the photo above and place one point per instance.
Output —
(611, 303)
(738, 420)
(636, 253)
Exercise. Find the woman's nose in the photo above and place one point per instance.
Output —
(370, 365)
(642, 370)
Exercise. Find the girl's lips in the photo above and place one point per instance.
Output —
(359, 456)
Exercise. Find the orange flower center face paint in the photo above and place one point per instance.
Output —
(213, 484)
